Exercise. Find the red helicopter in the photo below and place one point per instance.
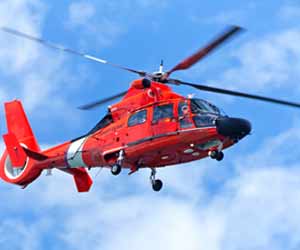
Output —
(151, 127)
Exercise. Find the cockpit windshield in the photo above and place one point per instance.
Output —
(105, 121)
(202, 106)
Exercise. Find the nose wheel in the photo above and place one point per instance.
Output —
(156, 183)
(217, 155)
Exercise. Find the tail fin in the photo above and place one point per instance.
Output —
(16, 166)
(17, 124)
(23, 151)
(16, 152)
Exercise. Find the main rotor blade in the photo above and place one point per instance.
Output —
(234, 93)
(71, 51)
(201, 53)
(102, 101)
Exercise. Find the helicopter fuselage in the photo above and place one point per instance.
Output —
(151, 127)
(154, 127)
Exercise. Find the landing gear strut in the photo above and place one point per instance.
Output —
(156, 183)
(217, 155)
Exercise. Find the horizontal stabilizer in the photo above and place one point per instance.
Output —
(83, 180)
(15, 151)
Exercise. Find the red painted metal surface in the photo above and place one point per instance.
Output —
(148, 144)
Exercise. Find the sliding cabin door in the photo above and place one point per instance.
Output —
(163, 120)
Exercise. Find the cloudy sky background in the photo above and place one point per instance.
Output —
(250, 200)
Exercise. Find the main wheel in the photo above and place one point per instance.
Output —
(116, 169)
(157, 185)
(220, 156)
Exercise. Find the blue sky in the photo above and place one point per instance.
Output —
(248, 201)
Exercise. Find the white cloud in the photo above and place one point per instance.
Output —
(30, 72)
(227, 16)
(246, 213)
(289, 12)
(17, 54)
(20, 58)
(256, 208)
(149, 3)
(272, 61)
(83, 16)
(81, 12)
(276, 151)
(259, 208)
(106, 21)
(16, 234)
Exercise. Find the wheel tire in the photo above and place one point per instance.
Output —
(220, 156)
(213, 154)
(157, 185)
(116, 169)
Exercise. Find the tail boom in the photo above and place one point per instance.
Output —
(22, 161)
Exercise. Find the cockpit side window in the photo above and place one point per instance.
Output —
(137, 118)
(163, 112)
(183, 109)
(184, 115)
(105, 121)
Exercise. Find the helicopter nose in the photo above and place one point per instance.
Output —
(235, 128)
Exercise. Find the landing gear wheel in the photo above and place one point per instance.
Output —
(220, 156)
(116, 169)
(213, 154)
(157, 185)
(217, 155)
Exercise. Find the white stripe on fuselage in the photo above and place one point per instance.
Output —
(74, 154)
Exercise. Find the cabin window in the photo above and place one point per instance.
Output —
(163, 112)
(137, 118)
